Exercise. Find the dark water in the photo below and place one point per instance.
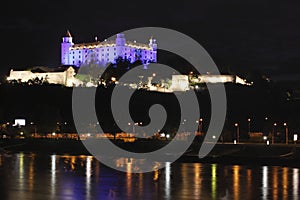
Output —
(36, 176)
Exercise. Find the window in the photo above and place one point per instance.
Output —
(107, 54)
(79, 56)
(79, 51)
(114, 53)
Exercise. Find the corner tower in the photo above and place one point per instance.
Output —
(67, 43)
(120, 45)
(153, 45)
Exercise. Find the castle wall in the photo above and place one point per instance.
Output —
(64, 78)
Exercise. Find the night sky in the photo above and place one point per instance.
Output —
(263, 35)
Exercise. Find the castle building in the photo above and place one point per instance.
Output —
(106, 51)
(61, 75)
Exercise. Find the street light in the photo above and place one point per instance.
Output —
(34, 126)
(237, 132)
(286, 133)
(274, 125)
(200, 125)
(249, 125)
(135, 124)
(129, 124)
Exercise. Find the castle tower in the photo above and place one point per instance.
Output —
(120, 45)
(67, 43)
(153, 45)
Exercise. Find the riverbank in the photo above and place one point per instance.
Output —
(246, 153)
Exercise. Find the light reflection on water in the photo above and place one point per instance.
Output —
(265, 186)
(37, 176)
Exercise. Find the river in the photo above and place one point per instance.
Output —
(44, 176)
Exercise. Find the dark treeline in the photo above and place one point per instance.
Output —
(45, 105)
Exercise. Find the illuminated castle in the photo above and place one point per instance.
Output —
(106, 51)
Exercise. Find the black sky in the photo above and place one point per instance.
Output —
(259, 34)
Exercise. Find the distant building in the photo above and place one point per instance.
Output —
(210, 78)
(106, 51)
(62, 75)
(180, 83)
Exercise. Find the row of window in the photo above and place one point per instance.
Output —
(107, 50)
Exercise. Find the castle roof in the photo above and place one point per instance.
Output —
(68, 34)
(105, 43)
(50, 69)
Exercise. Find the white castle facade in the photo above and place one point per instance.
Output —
(106, 51)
